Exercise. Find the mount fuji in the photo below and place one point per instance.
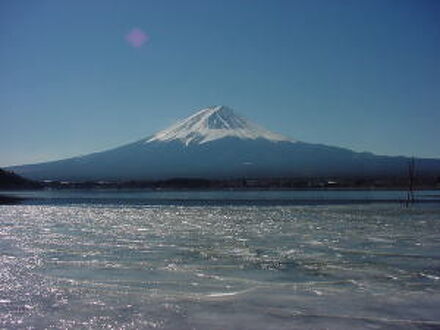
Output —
(217, 143)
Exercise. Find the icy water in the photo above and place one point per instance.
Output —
(219, 260)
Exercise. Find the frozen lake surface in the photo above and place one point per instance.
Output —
(219, 260)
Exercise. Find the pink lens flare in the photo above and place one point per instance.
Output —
(136, 37)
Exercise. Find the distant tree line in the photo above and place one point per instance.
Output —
(10, 180)
(256, 183)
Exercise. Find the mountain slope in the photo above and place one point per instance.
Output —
(216, 143)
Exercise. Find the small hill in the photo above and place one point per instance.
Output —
(12, 181)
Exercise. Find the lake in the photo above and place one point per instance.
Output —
(220, 260)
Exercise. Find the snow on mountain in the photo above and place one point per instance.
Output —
(237, 148)
(215, 123)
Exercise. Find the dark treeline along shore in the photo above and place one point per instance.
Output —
(12, 181)
(254, 183)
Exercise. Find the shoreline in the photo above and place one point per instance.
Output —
(10, 200)
(198, 197)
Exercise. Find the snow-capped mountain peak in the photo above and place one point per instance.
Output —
(215, 123)
(216, 143)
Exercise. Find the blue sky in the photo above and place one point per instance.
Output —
(358, 74)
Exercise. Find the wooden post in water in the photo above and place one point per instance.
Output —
(411, 175)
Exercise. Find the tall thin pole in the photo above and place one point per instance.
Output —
(411, 176)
